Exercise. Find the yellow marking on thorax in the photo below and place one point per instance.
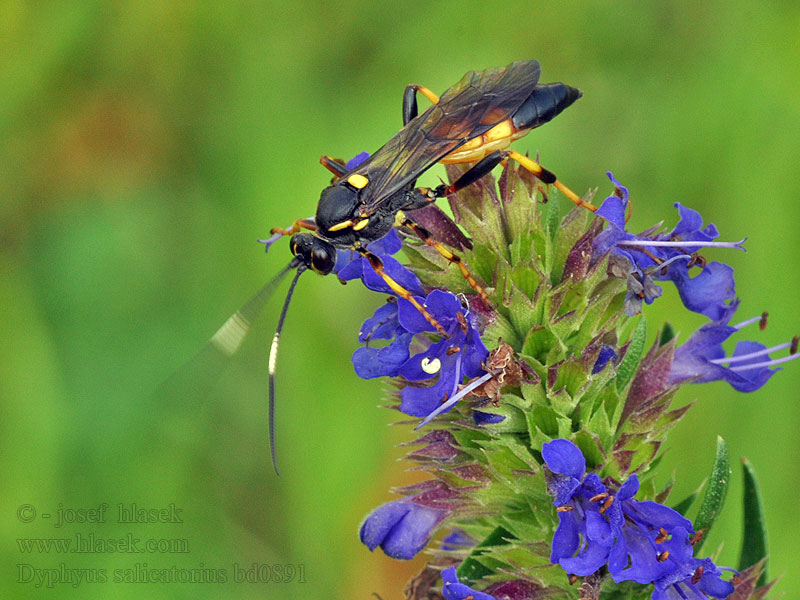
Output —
(360, 225)
(357, 181)
(497, 138)
(342, 225)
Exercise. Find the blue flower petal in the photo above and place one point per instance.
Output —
(565, 458)
(453, 590)
(566, 539)
(400, 528)
(588, 561)
(380, 326)
(707, 293)
(371, 362)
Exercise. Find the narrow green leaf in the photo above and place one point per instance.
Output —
(754, 540)
(472, 569)
(630, 363)
(684, 505)
(715, 492)
(667, 334)
(553, 214)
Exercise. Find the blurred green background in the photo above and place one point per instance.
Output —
(147, 145)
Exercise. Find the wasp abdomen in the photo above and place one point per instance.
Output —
(544, 104)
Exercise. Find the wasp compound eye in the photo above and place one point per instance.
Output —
(315, 253)
(323, 258)
(301, 246)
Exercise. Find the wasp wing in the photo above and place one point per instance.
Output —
(202, 371)
(478, 102)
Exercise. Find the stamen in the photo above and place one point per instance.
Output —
(459, 376)
(663, 556)
(690, 244)
(666, 263)
(606, 505)
(767, 363)
(696, 260)
(464, 391)
(565, 508)
(698, 575)
(662, 535)
(463, 322)
(697, 537)
(598, 497)
(734, 359)
(452, 350)
(795, 341)
(762, 322)
(573, 579)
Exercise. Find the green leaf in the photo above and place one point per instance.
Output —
(715, 492)
(754, 540)
(552, 214)
(472, 569)
(630, 363)
(684, 505)
(667, 334)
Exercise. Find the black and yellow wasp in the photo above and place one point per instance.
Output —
(472, 122)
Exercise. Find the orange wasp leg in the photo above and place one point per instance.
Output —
(547, 177)
(296, 227)
(377, 264)
(426, 237)
(334, 165)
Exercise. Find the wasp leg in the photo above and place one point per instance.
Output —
(377, 264)
(426, 237)
(410, 101)
(490, 161)
(334, 165)
(545, 176)
(296, 227)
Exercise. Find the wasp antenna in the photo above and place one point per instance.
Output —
(273, 359)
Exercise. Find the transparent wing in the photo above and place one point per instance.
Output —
(478, 102)
(204, 369)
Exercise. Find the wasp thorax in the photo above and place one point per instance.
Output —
(315, 253)
(336, 206)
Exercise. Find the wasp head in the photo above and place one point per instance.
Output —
(316, 254)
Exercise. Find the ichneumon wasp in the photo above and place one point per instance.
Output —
(474, 121)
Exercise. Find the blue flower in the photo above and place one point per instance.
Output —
(452, 358)
(457, 540)
(401, 528)
(480, 417)
(453, 590)
(639, 541)
(613, 211)
(370, 362)
(687, 577)
(606, 354)
(351, 265)
(702, 358)
(709, 292)
(642, 259)
(445, 362)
